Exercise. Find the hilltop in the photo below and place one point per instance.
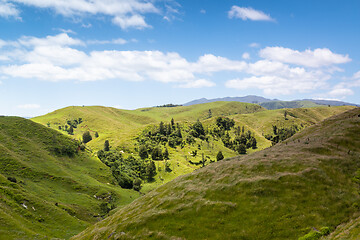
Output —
(49, 188)
(306, 185)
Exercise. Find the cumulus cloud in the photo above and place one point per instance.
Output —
(320, 57)
(254, 45)
(63, 58)
(56, 58)
(248, 13)
(124, 13)
(29, 106)
(246, 56)
(9, 10)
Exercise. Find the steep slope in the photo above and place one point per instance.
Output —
(283, 192)
(47, 186)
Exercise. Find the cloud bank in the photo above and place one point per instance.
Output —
(63, 58)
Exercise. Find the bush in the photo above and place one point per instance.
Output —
(86, 137)
(12, 179)
(137, 184)
(106, 145)
(219, 156)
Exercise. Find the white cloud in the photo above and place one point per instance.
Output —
(61, 39)
(340, 91)
(198, 84)
(203, 11)
(124, 13)
(248, 13)
(357, 75)
(29, 106)
(8, 10)
(63, 58)
(119, 41)
(246, 56)
(56, 58)
(320, 57)
(254, 45)
(135, 21)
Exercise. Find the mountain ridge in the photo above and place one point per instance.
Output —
(270, 104)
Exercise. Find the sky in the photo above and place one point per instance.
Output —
(130, 54)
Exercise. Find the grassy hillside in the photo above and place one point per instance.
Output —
(301, 185)
(47, 188)
(289, 104)
(122, 127)
(346, 231)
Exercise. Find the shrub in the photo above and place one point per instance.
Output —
(106, 145)
(12, 179)
(86, 137)
(219, 156)
(137, 184)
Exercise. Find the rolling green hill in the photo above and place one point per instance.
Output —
(122, 127)
(48, 188)
(306, 185)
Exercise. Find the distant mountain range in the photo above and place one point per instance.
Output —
(273, 103)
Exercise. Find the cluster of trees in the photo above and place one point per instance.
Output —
(170, 105)
(128, 172)
(152, 139)
(242, 140)
(280, 134)
(70, 125)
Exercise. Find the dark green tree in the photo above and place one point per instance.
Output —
(137, 184)
(166, 154)
(241, 149)
(151, 170)
(198, 129)
(96, 134)
(71, 130)
(86, 137)
(106, 145)
(172, 123)
(219, 156)
(143, 153)
(157, 153)
(162, 130)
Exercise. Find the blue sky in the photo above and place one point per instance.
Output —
(135, 53)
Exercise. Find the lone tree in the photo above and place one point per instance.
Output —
(86, 137)
(219, 156)
(106, 145)
(96, 134)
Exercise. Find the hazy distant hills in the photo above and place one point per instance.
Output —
(273, 103)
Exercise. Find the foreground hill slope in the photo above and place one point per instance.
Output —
(47, 185)
(307, 182)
